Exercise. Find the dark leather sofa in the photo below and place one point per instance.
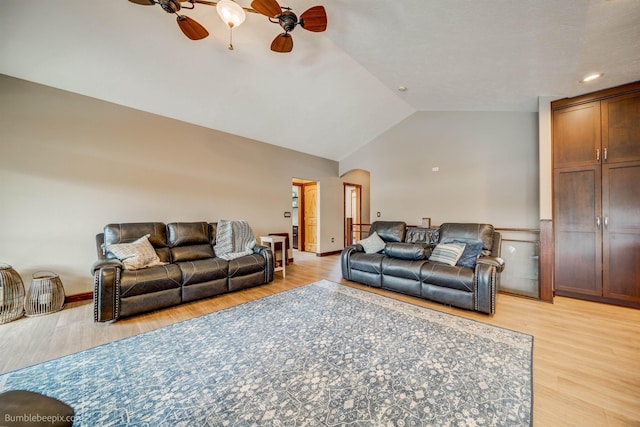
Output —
(191, 270)
(403, 266)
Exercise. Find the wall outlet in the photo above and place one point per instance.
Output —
(333, 239)
(378, 214)
(435, 169)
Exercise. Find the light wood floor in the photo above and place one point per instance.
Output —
(586, 357)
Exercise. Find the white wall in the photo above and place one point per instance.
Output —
(70, 164)
(488, 169)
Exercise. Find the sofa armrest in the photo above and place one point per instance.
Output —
(497, 262)
(106, 263)
(487, 279)
(345, 261)
(270, 262)
(106, 290)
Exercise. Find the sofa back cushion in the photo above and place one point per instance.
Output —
(131, 231)
(410, 251)
(389, 231)
(422, 235)
(189, 241)
(471, 232)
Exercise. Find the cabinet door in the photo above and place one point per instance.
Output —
(621, 128)
(621, 231)
(577, 226)
(576, 135)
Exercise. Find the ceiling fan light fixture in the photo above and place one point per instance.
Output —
(231, 13)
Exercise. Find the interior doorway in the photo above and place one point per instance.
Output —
(352, 211)
(305, 215)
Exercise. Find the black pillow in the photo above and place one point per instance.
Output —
(471, 252)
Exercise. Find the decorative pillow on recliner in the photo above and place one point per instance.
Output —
(372, 244)
(472, 250)
(447, 253)
(137, 254)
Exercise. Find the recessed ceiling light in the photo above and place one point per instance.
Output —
(591, 77)
(402, 88)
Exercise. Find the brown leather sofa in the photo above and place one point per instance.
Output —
(404, 266)
(191, 270)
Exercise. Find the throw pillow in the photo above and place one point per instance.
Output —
(137, 254)
(372, 244)
(472, 250)
(447, 253)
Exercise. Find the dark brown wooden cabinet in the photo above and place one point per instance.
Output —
(596, 203)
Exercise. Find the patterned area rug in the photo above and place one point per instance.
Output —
(320, 355)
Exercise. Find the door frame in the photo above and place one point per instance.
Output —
(345, 230)
(301, 183)
(300, 214)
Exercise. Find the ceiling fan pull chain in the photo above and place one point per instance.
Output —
(230, 37)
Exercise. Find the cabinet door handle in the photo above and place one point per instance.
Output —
(598, 154)
(598, 222)
(606, 222)
(605, 154)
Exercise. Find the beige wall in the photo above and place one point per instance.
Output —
(362, 178)
(487, 169)
(546, 157)
(70, 164)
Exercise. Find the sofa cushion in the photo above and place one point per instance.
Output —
(191, 253)
(187, 233)
(448, 276)
(466, 231)
(408, 251)
(366, 262)
(407, 269)
(372, 244)
(472, 250)
(128, 232)
(204, 270)
(389, 231)
(135, 255)
(246, 265)
(447, 253)
(189, 241)
(149, 280)
(422, 235)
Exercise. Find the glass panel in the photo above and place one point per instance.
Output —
(520, 275)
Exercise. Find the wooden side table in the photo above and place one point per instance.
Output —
(272, 240)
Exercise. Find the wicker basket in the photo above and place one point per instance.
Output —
(11, 294)
(46, 294)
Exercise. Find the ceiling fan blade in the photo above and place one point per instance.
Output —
(191, 28)
(314, 19)
(283, 43)
(269, 8)
(143, 2)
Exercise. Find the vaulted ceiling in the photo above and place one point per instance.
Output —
(337, 90)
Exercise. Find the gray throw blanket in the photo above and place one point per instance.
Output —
(234, 239)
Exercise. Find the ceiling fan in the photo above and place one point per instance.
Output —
(313, 19)
(190, 27)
